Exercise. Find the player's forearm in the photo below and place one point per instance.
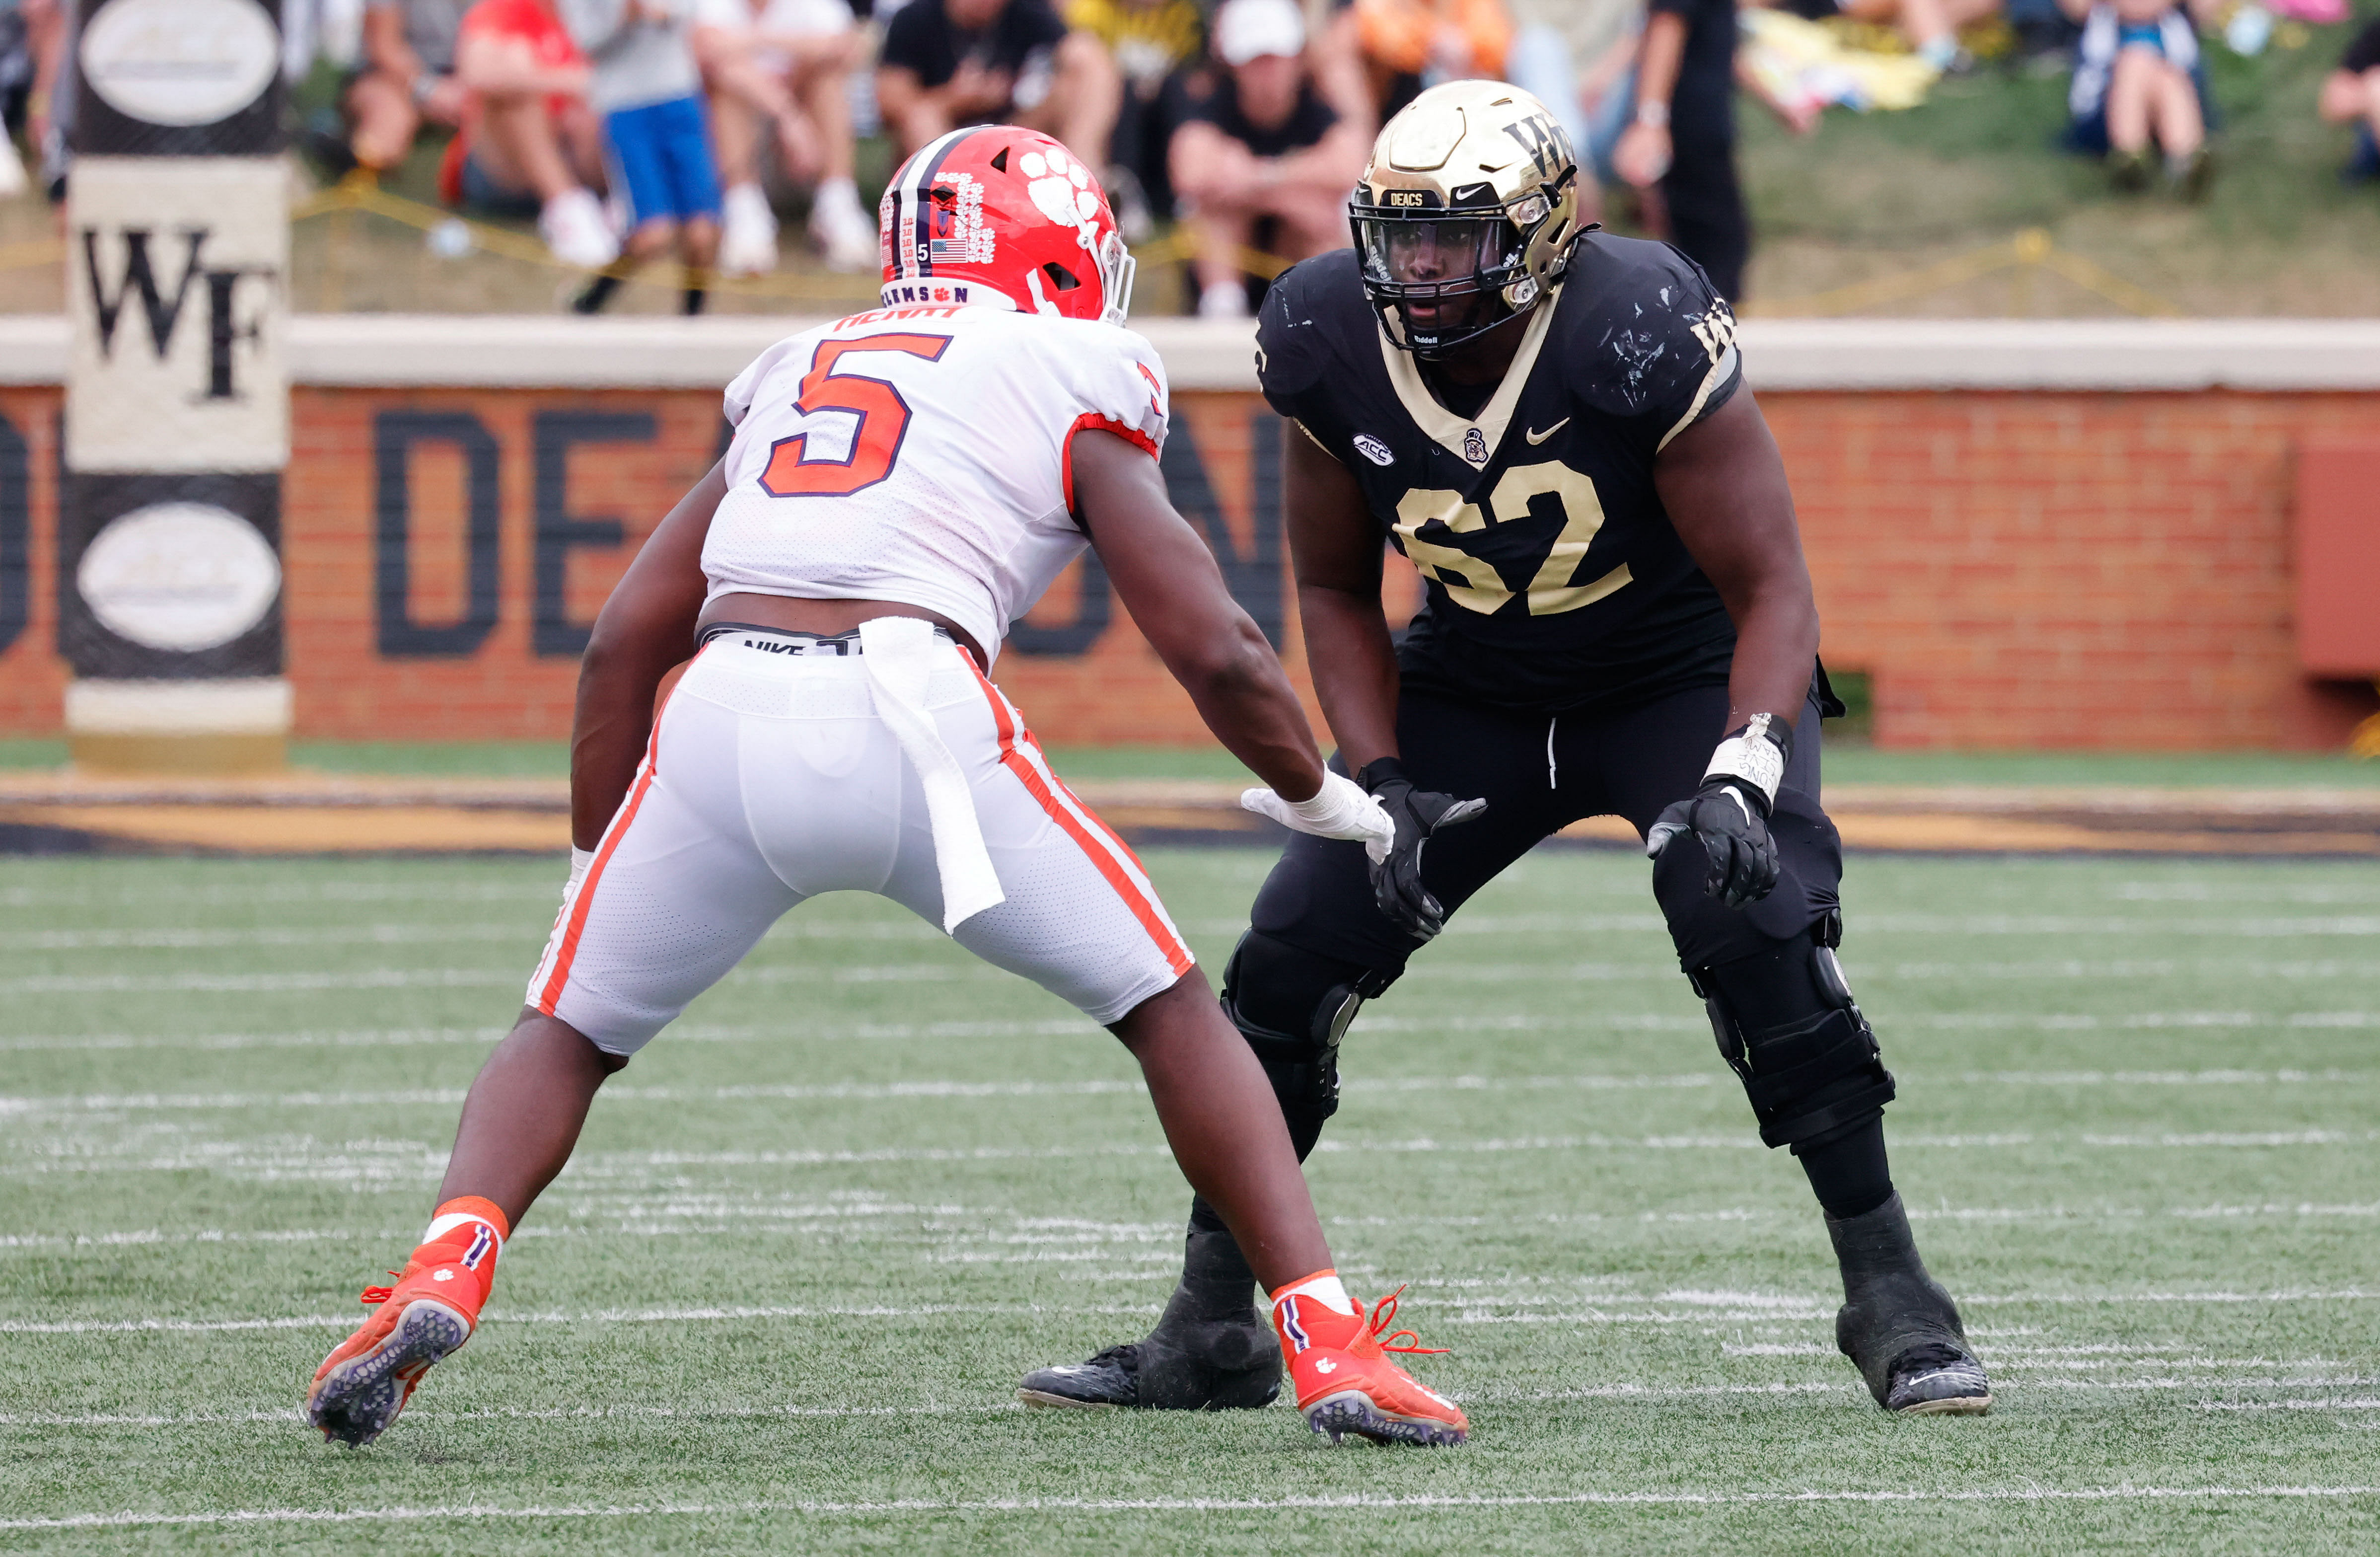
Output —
(1245, 696)
(618, 679)
(645, 630)
(1776, 651)
(1355, 668)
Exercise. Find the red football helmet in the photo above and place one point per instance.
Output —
(1007, 217)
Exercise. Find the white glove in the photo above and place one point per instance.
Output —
(579, 860)
(1339, 809)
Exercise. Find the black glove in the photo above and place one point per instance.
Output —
(1729, 812)
(1730, 818)
(1420, 814)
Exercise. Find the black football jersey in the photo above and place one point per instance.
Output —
(1555, 579)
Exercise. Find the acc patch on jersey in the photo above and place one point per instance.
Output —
(1371, 448)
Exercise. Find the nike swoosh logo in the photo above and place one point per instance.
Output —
(1535, 437)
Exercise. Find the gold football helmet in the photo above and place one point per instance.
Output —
(1467, 215)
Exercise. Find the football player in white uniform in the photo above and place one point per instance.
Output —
(902, 484)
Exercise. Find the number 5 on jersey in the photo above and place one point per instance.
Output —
(881, 418)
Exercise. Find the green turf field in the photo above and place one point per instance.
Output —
(1846, 763)
(815, 1233)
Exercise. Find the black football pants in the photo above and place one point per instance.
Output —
(1539, 775)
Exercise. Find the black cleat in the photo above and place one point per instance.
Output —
(1210, 1351)
(1937, 1380)
(1898, 1325)
(1111, 1379)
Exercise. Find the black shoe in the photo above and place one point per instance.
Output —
(1898, 1325)
(597, 292)
(1212, 1350)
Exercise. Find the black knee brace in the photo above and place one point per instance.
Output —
(1293, 1007)
(1787, 1025)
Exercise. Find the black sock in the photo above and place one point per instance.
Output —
(1849, 1174)
(693, 299)
(599, 292)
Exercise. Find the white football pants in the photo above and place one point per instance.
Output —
(772, 777)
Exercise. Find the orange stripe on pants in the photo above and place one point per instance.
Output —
(551, 995)
(1144, 909)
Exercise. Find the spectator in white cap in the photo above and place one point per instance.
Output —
(1261, 162)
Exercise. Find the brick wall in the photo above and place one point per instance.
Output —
(2043, 569)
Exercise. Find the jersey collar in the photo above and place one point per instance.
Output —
(1452, 431)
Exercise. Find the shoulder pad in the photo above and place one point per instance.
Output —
(1648, 334)
(1304, 317)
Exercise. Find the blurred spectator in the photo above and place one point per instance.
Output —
(1149, 41)
(1409, 44)
(2138, 91)
(1260, 152)
(32, 39)
(1680, 143)
(2350, 95)
(407, 77)
(647, 88)
(784, 65)
(1931, 26)
(948, 63)
(17, 68)
(528, 144)
(1577, 58)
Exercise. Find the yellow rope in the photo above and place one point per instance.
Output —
(2029, 250)
(25, 256)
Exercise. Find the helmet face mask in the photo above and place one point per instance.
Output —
(1444, 278)
(1466, 216)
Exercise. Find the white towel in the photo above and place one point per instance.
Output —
(901, 654)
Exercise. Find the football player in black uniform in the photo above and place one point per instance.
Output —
(1550, 424)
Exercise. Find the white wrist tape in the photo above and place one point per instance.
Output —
(1755, 757)
(1339, 809)
(579, 860)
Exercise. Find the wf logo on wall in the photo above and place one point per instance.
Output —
(177, 364)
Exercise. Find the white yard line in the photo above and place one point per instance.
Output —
(726, 1314)
(306, 1161)
(1351, 1502)
(434, 885)
(946, 1088)
(690, 1032)
(444, 977)
(1858, 924)
(529, 930)
(1683, 1307)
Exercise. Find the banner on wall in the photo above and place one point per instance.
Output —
(176, 426)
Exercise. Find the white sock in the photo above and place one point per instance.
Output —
(1224, 300)
(1324, 1289)
(452, 1220)
(836, 194)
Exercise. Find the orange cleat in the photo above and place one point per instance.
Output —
(1345, 1383)
(429, 1312)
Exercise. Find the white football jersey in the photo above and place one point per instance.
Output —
(921, 455)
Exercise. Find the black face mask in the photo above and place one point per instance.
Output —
(1444, 274)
